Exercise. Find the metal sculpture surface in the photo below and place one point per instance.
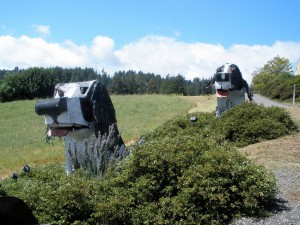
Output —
(82, 112)
(230, 87)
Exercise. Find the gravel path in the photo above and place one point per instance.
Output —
(288, 210)
(267, 102)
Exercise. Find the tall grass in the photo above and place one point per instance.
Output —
(22, 138)
(22, 135)
(137, 114)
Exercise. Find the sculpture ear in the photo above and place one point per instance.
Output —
(103, 110)
(220, 69)
(96, 115)
(104, 115)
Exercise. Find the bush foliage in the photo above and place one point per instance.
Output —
(275, 79)
(251, 123)
(185, 173)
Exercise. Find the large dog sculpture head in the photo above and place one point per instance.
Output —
(80, 105)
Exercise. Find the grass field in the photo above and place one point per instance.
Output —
(22, 133)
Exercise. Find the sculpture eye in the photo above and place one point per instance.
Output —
(60, 93)
(83, 90)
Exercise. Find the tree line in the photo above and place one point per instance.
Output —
(274, 80)
(20, 84)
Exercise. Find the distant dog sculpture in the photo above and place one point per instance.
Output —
(14, 211)
(230, 87)
(82, 112)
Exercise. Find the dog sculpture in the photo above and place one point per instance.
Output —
(230, 87)
(82, 112)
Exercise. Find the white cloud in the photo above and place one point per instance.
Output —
(27, 52)
(165, 55)
(42, 29)
(155, 54)
(102, 46)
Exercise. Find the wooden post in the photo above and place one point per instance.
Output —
(297, 74)
(294, 95)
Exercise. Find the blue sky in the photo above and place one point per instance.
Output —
(190, 37)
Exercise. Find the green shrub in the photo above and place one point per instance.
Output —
(54, 197)
(249, 123)
(182, 180)
(182, 126)
(185, 173)
(242, 125)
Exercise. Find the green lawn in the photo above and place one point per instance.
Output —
(22, 133)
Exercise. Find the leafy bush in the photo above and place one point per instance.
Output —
(185, 173)
(53, 197)
(275, 79)
(242, 125)
(250, 123)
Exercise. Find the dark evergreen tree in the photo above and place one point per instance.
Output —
(39, 82)
(104, 78)
(154, 84)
